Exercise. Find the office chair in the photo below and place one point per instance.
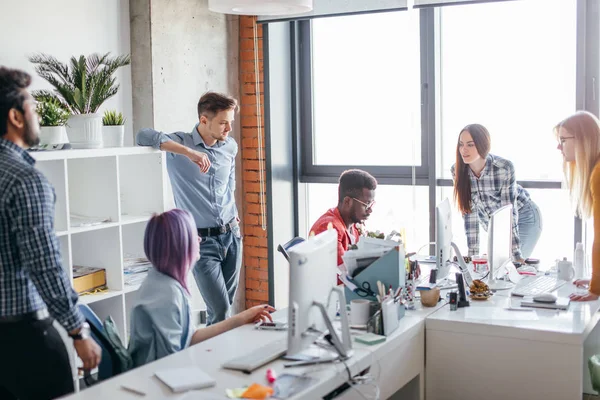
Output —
(112, 362)
(283, 248)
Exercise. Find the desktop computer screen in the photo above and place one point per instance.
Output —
(443, 238)
(499, 245)
(313, 274)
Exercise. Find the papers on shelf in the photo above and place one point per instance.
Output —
(78, 221)
(135, 269)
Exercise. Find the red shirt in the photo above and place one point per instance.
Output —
(333, 216)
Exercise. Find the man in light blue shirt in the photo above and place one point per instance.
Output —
(201, 166)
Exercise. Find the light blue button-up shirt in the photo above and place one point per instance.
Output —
(161, 319)
(208, 196)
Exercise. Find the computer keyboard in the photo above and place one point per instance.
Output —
(532, 285)
(258, 357)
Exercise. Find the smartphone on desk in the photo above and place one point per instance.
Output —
(271, 326)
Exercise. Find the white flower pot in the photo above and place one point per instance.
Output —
(113, 135)
(53, 135)
(85, 131)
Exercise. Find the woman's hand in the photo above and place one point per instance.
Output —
(257, 313)
(582, 283)
(583, 297)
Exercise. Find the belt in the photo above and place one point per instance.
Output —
(32, 316)
(218, 230)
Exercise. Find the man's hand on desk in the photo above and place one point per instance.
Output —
(256, 314)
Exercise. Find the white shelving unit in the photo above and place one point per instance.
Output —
(124, 186)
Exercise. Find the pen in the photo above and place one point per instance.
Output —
(132, 390)
(398, 291)
(517, 309)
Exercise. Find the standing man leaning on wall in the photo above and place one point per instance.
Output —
(201, 165)
(34, 289)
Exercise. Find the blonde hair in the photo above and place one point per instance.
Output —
(585, 128)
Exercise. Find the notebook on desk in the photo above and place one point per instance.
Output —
(562, 303)
(184, 379)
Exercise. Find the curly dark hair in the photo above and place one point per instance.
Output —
(353, 181)
(13, 83)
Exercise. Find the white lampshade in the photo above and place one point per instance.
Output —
(260, 7)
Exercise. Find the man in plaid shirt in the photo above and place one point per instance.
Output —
(34, 288)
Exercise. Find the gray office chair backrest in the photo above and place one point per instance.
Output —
(283, 248)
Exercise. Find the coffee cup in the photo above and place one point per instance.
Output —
(360, 311)
(565, 270)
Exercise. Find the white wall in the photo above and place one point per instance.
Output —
(193, 50)
(65, 28)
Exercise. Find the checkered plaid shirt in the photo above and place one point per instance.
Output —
(496, 187)
(31, 272)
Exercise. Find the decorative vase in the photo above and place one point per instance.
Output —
(85, 131)
(113, 135)
(53, 135)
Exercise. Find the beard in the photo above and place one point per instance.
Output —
(30, 137)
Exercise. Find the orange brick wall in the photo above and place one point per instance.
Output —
(255, 238)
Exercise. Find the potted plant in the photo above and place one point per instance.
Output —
(113, 130)
(53, 118)
(81, 87)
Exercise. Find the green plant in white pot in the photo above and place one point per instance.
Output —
(113, 130)
(53, 118)
(81, 86)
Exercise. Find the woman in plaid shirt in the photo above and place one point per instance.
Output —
(482, 184)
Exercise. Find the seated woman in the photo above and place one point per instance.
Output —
(482, 184)
(161, 319)
(579, 142)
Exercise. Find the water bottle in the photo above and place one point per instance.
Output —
(579, 261)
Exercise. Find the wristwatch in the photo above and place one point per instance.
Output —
(84, 332)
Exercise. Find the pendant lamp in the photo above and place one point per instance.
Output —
(260, 7)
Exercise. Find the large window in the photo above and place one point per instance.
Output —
(390, 93)
(397, 208)
(365, 92)
(511, 67)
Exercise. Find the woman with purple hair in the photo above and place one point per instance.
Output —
(161, 320)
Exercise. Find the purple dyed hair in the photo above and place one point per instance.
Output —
(171, 243)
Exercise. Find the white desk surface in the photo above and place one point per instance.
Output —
(209, 356)
(571, 326)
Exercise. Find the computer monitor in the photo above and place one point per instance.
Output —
(499, 246)
(444, 244)
(443, 238)
(313, 278)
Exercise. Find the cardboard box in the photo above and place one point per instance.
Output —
(88, 278)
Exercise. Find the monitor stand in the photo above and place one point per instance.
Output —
(462, 265)
(497, 284)
(343, 346)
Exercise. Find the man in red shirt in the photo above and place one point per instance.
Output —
(356, 197)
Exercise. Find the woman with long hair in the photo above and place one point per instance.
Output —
(161, 320)
(482, 184)
(579, 142)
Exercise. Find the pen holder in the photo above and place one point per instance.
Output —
(429, 298)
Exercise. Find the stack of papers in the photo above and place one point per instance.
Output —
(184, 379)
(368, 251)
(78, 221)
(135, 268)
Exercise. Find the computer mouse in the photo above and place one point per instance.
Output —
(545, 298)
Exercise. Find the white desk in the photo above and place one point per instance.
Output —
(396, 363)
(484, 352)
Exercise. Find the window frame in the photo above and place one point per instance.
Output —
(313, 173)
(305, 171)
